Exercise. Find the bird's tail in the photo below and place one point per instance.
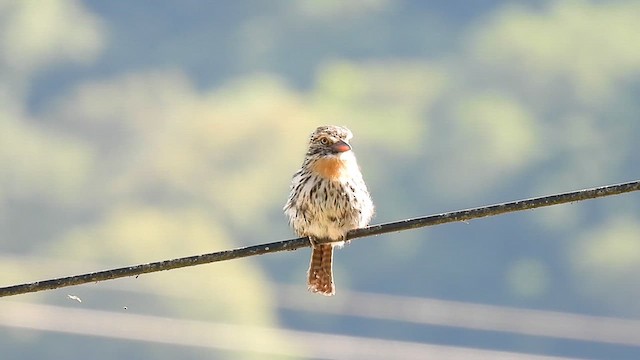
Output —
(321, 270)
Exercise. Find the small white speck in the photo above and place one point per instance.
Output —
(73, 297)
(124, 308)
(266, 248)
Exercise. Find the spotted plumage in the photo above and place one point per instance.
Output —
(328, 198)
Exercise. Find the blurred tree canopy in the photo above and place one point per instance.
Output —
(133, 132)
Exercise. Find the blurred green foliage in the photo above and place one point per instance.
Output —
(133, 132)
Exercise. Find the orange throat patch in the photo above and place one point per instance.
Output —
(331, 168)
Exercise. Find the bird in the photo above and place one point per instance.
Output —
(328, 198)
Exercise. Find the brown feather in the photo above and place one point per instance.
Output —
(320, 270)
(330, 168)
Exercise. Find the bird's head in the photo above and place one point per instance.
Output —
(329, 140)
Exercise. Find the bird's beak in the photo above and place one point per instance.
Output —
(340, 146)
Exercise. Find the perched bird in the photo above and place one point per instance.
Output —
(328, 198)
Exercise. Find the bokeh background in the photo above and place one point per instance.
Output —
(132, 132)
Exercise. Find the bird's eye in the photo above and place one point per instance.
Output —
(324, 141)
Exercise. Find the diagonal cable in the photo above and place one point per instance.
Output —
(294, 244)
